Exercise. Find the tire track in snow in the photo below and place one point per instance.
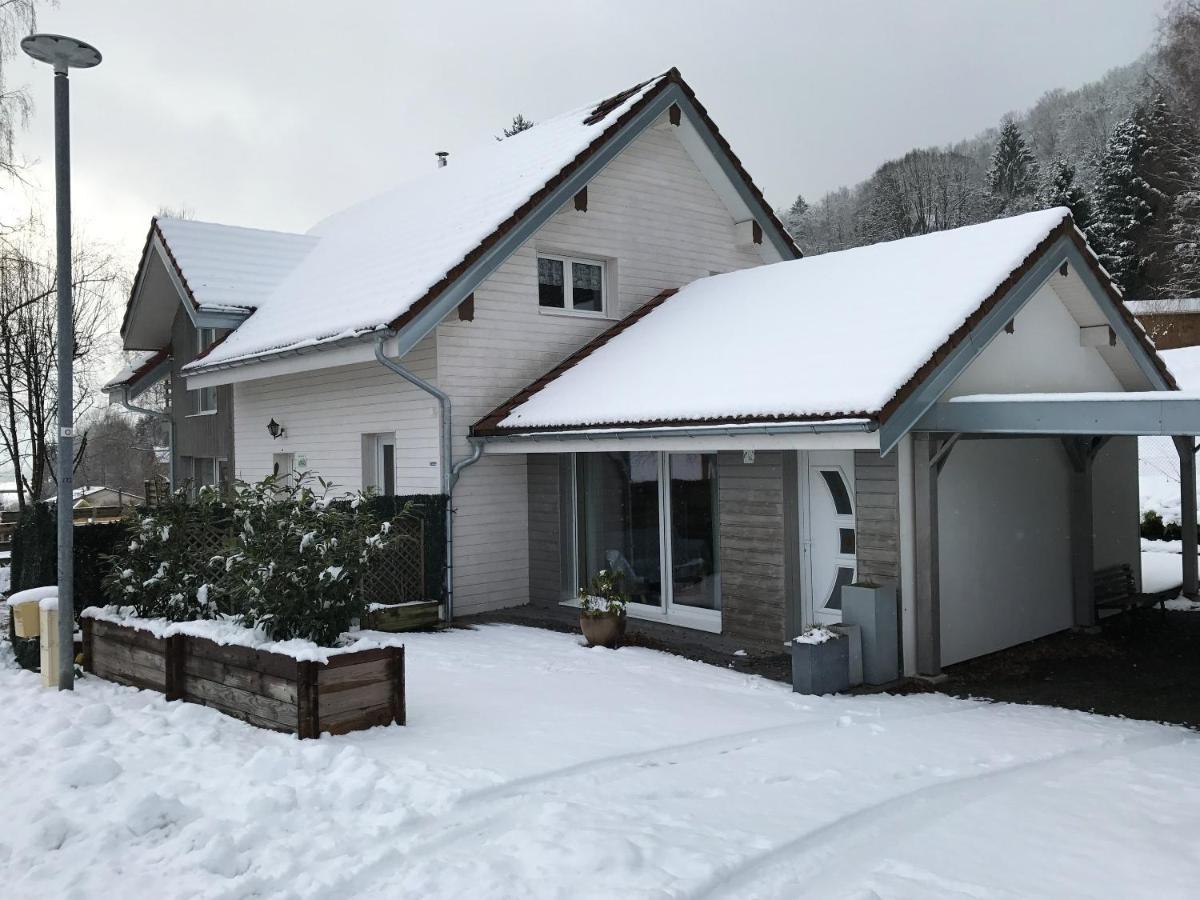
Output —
(827, 857)
(453, 829)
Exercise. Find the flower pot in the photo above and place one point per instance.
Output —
(602, 629)
(822, 668)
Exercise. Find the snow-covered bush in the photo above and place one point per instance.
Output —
(166, 568)
(289, 558)
(604, 595)
(297, 565)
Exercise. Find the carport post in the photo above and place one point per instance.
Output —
(925, 551)
(1186, 447)
(1083, 597)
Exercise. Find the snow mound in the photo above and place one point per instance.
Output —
(34, 595)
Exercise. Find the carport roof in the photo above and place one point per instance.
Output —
(1093, 413)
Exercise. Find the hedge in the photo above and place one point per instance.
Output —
(431, 509)
(35, 553)
(35, 547)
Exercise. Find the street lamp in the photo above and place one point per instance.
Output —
(64, 53)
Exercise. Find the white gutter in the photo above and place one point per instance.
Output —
(689, 431)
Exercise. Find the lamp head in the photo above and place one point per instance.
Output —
(61, 51)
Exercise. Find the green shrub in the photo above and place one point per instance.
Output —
(297, 568)
(289, 559)
(1152, 526)
(166, 568)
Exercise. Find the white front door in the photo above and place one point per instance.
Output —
(828, 531)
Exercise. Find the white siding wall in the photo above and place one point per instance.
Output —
(652, 214)
(327, 412)
(1003, 504)
(1004, 545)
(1042, 354)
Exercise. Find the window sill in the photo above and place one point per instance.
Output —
(698, 620)
(575, 313)
(197, 415)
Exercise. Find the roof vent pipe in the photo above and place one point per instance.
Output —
(442, 157)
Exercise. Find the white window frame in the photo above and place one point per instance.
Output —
(668, 613)
(204, 400)
(568, 307)
(374, 459)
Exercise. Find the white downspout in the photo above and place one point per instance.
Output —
(123, 399)
(449, 470)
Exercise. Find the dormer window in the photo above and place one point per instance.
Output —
(571, 285)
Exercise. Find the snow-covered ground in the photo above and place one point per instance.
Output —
(532, 767)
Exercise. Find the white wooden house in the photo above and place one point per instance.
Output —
(558, 330)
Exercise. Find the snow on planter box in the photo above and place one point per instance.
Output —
(293, 686)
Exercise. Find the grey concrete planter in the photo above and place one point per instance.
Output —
(873, 608)
(852, 634)
(821, 668)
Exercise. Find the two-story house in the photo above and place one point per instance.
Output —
(559, 331)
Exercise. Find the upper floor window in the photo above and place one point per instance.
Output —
(573, 285)
(204, 400)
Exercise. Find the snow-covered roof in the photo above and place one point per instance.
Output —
(82, 493)
(229, 267)
(1163, 307)
(139, 365)
(832, 335)
(1184, 363)
(370, 263)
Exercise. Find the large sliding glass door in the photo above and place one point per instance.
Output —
(618, 522)
(652, 517)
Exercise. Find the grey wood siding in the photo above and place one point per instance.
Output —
(545, 539)
(752, 537)
(877, 507)
(211, 435)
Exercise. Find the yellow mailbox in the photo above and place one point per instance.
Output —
(26, 622)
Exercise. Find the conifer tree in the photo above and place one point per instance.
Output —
(1060, 189)
(1125, 204)
(1013, 174)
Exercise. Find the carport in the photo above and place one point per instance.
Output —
(1083, 423)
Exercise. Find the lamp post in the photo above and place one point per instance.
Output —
(64, 53)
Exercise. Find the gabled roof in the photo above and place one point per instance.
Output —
(843, 335)
(227, 266)
(143, 371)
(377, 265)
(210, 268)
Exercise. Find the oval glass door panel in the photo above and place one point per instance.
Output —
(831, 539)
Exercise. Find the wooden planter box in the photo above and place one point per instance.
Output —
(350, 692)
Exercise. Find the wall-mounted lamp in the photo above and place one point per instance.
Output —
(276, 430)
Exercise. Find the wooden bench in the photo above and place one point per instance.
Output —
(1115, 588)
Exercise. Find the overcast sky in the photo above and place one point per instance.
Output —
(274, 114)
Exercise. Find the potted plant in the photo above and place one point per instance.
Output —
(602, 610)
(820, 662)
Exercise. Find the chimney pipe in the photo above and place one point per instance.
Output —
(442, 158)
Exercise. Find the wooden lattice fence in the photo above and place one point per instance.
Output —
(398, 576)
